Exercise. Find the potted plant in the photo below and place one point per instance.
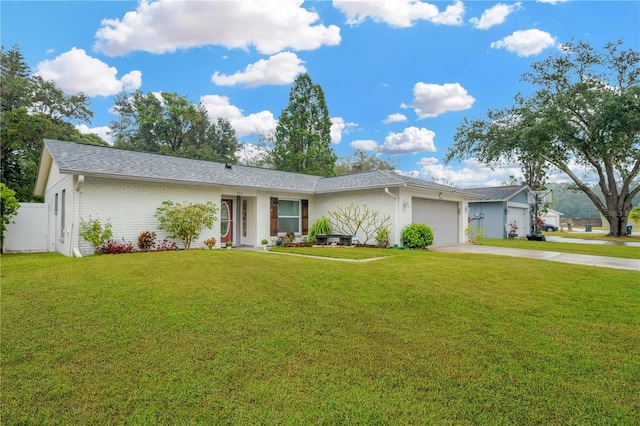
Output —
(513, 229)
(382, 237)
(229, 244)
(264, 243)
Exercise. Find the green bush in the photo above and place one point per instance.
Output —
(9, 206)
(94, 233)
(185, 221)
(417, 236)
(474, 233)
(320, 226)
(210, 243)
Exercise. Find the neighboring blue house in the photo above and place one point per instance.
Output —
(499, 207)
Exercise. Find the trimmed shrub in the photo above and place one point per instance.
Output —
(417, 236)
(117, 247)
(210, 243)
(146, 240)
(166, 245)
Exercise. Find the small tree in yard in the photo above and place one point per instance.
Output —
(185, 221)
(94, 233)
(358, 220)
(8, 209)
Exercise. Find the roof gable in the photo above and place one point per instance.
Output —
(499, 193)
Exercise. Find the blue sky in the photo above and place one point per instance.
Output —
(398, 76)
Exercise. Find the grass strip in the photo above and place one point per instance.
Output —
(625, 252)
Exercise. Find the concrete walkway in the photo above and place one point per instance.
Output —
(579, 259)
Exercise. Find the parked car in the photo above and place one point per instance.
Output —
(549, 228)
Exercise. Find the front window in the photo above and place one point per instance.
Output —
(289, 216)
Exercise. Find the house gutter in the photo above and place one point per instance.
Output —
(75, 235)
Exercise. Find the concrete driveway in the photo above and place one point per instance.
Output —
(580, 259)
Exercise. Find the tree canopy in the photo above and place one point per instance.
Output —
(33, 109)
(583, 118)
(168, 123)
(361, 161)
(303, 135)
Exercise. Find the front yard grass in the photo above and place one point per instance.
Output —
(243, 337)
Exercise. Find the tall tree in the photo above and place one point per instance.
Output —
(361, 161)
(303, 135)
(585, 112)
(14, 80)
(168, 123)
(32, 109)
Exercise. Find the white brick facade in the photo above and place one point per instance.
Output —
(127, 187)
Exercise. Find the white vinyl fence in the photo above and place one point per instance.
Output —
(29, 233)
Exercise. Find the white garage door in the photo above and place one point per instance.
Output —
(441, 216)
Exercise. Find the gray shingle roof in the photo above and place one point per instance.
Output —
(76, 158)
(84, 159)
(498, 193)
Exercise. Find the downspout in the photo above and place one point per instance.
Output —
(397, 237)
(76, 217)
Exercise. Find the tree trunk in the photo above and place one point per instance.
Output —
(617, 225)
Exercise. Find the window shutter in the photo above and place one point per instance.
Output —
(305, 216)
(273, 223)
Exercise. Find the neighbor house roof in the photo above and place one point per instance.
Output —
(91, 160)
(498, 193)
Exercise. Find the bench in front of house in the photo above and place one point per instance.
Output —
(323, 239)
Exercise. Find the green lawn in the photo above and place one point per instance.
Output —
(242, 337)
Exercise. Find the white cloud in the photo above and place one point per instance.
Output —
(554, 2)
(281, 68)
(395, 118)
(452, 15)
(338, 127)
(471, 174)
(364, 144)
(102, 131)
(165, 26)
(399, 13)
(411, 139)
(219, 107)
(431, 100)
(525, 42)
(75, 71)
(495, 15)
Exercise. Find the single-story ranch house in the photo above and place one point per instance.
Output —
(126, 187)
